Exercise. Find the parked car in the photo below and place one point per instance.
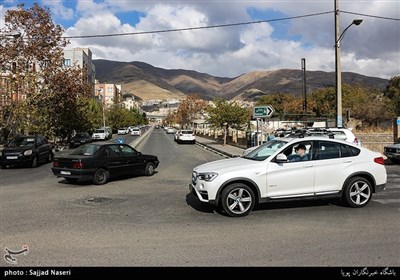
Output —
(80, 139)
(100, 161)
(345, 134)
(185, 135)
(27, 150)
(335, 169)
(392, 152)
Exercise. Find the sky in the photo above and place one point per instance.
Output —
(278, 34)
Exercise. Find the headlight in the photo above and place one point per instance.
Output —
(27, 152)
(208, 177)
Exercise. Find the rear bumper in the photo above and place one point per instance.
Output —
(83, 174)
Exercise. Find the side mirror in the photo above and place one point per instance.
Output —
(281, 158)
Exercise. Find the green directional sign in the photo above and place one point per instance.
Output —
(263, 111)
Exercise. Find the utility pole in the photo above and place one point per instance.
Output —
(303, 67)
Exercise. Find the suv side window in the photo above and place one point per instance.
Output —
(328, 150)
(294, 156)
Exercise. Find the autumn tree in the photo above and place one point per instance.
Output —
(283, 104)
(55, 98)
(189, 109)
(369, 105)
(225, 115)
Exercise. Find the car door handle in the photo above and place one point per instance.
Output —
(347, 161)
(308, 165)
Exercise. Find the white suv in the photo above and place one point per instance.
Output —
(345, 134)
(332, 169)
(185, 135)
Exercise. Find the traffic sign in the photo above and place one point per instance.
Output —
(263, 111)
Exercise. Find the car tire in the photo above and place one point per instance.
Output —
(100, 177)
(150, 169)
(237, 200)
(357, 192)
(71, 180)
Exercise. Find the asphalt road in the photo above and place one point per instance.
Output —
(154, 221)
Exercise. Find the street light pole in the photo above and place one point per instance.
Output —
(338, 64)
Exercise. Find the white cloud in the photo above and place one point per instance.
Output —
(372, 48)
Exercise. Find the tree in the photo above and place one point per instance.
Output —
(30, 59)
(56, 96)
(369, 105)
(225, 115)
(283, 104)
(392, 92)
(189, 109)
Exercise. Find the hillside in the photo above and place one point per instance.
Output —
(149, 82)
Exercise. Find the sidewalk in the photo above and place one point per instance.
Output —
(224, 150)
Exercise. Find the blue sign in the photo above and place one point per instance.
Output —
(398, 121)
(120, 141)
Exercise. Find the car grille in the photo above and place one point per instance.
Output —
(390, 150)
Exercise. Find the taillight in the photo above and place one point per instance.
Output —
(379, 160)
(56, 163)
(77, 165)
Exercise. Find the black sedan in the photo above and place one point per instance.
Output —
(100, 161)
(393, 152)
(80, 139)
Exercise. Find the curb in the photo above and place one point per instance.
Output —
(217, 151)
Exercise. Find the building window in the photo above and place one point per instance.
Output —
(67, 62)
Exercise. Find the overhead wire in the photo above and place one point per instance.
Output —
(221, 25)
(194, 28)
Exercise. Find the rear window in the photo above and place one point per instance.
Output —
(22, 141)
(86, 150)
(187, 131)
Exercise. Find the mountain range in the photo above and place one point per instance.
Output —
(149, 83)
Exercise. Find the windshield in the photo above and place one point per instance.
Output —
(80, 135)
(20, 141)
(99, 131)
(265, 150)
(86, 150)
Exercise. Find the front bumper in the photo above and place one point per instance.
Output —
(379, 188)
(392, 155)
(202, 195)
(16, 160)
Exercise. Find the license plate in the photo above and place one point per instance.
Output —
(65, 173)
(12, 157)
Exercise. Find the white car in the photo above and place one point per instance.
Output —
(345, 134)
(333, 169)
(185, 135)
(122, 131)
(136, 131)
(100, 134)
